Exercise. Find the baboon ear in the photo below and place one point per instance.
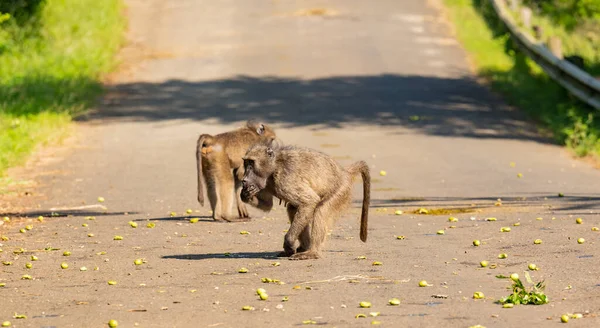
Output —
(261, 129)
(270, 152)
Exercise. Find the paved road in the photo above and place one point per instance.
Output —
(380, 81)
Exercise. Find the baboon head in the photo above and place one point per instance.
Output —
(259, 165)
(261, 129)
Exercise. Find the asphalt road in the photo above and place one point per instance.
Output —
(381, 81)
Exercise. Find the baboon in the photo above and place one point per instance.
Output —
(314, 186)
(219, 161)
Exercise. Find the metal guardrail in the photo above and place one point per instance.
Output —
(579, 83)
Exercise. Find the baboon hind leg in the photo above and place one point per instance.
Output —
(313, 237)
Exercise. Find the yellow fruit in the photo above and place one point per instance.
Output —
(365, 304)
(243, 270)
(580, 241)
(478, 295)
(537, 241)
(483, 264)
(100, 199)
(394, 301)
(118, 238)
(64, 265)
(194, 220)
(133, 224)
(382, 173)
(441, 232)
(579, 221)
(514, 276)
(113, 323)
(423, 283)
(476, 242)
(564, 318)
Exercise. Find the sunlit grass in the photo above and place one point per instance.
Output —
(520, 80)
(51, 72)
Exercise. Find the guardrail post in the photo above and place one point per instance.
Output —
(526, 17)
(538, 31)
(555, 46)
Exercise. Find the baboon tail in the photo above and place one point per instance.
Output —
(362, 168)
(203, 141)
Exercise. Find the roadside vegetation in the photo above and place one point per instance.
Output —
(520, 80)
(52, 57)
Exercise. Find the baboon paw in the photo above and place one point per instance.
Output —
(305, 256)
(284, 254)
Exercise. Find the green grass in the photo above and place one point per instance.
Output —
(520, 80)
(50, 71)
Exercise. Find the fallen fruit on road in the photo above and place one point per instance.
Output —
(133, 224)
(243, 270)
(580, 241)
(188, 211)
(151, 225)
(595, 229)
(532, 267)
(90, 235)
(423, 283)
(260, 291)
(398, 212)
(194, 220)
(394, 301)
(505, 229)
(360, 315)
(564, 318)
(508, 305)
(6, 324)
(247, 308)
(138, 262)
(263, 296)
(118, 238)
(478, 295)
(26, 277)
(244, 232)
(452, 219)
(502, 255)
(377, 263)
(537, 241)
(66, 253)
(28, 265)
(365, 304)
(519, 175)
(483, 264)
(83, 268)
(476, 242)
(113, 323)
(400, 237)
(382, 173)
(441, 232)
(112, 282)
(514, 276)
(579, 221)
(491, 219)
(100, 199)
(28, 227)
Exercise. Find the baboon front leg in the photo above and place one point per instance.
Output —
(301, 219)
(225, 190)
(291, 212)
(241, 207)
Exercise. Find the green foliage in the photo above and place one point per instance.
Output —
(522, 82)
(568, 13)
(520, 295)
(51, 61)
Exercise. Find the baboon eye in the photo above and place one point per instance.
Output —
(261, 129)
(249, 163)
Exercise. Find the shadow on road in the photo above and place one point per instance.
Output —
(251, 255)
(435, 106)
(569, 202)
(66, 213)
(204, 218)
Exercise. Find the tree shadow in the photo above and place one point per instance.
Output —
(430, 105)
(203, 218)
(251, 255)
(67, 213)
(569, 202)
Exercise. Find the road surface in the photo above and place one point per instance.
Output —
(381, 81)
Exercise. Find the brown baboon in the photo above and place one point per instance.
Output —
(314, 186)
(219, 161)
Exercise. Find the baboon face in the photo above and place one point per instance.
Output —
(259, 165)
